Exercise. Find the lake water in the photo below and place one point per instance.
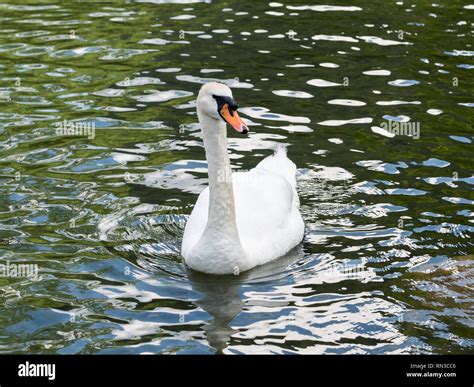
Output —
(375, 101)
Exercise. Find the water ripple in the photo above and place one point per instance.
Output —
(385, 266)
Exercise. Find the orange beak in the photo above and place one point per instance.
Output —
(233, 119)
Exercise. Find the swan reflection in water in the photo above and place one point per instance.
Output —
(223, 297)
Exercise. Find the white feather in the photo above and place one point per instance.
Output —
(266, 214)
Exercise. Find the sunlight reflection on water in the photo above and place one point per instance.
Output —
(386, 263)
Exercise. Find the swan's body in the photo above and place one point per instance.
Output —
(242, 219)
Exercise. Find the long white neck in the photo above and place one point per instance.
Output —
(219, 250)
(221, 216)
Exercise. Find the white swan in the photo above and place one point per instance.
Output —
(242, 219)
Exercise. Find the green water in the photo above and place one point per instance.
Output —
(386, 265)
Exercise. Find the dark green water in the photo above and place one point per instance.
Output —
(387, 261)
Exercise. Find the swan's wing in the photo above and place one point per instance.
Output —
(281, 165)
(263, 201)
(267, 208)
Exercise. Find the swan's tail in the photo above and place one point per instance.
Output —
(280, 164)
(280, 150)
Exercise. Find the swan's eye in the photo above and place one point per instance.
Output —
(222, 100)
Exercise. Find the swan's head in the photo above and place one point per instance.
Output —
(215, 101)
